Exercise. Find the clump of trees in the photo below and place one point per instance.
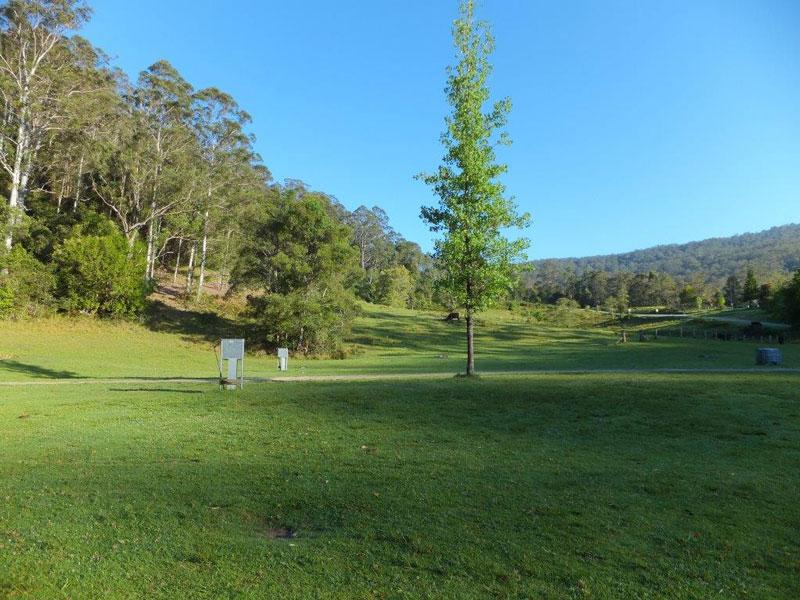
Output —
(392, 270)
(786, 301)
(549, 282)
(298, 255)
(112, 183)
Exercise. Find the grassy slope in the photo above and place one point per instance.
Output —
(548, 486)
(386, 340)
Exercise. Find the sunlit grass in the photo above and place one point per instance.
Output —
(384, 340)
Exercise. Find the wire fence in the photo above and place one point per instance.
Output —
(722, 335)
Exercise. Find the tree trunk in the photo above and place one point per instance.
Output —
(201, 280)
(177, 261)
(190, 270)
(155, 253)
(150, 240)
(16, 178)
(222, 270)
(470, 345)
(61, 195)
(78, 186)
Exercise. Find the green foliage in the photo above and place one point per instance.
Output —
(27, 285)
(101, 273)
(300, 257)
(396, 287)
(477, 260)
(312, 320)
(776, 250)
(6, 301)
(786, 303)
(750, 292)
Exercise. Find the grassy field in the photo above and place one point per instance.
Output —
(592, 485)
(384, 340)
(544, 486)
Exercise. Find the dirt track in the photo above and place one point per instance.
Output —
(381, 376)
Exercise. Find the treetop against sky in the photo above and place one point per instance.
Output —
(633, 124)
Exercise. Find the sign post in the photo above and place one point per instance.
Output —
(233, 352)
(283, 359)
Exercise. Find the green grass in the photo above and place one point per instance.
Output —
(384, 340)
(544, 486)
(598, 485)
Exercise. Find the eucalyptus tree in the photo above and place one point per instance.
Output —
(146, 163)
(301, 258)
(83, 118)
(162, 99)
(476, 259)
(372, 235)
(226, 155)
(32, 85)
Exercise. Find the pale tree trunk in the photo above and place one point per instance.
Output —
(61, 195)
(190, 270)
(16, 183)
(150, 240)
(155, 256)
(177, 261)
(223, 266)
(78, 186)
(201, 280)
(470, 344)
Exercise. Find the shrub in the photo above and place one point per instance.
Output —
(786, 304)
(312, 320)
(27, 286)
(101, 273)
(396, 287)
(6, 301)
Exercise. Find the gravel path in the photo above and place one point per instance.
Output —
(379, 376)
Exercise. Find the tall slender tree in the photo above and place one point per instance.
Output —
(477, 260)
(32, 84)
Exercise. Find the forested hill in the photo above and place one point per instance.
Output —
(776, 250)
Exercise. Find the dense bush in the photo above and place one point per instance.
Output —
(26, 285)
(101, 273)
(308, 321)
(396, 287)
(786, 303)
(300, 258)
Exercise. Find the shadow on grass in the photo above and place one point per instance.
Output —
(192, 325)
(13, 366)
(152, 390)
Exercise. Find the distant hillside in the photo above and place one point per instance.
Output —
(775, 250)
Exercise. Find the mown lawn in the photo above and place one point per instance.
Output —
(384, 340)
(545, 486)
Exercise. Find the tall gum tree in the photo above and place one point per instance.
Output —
(477, 260)
(31, 66)
(226, 154)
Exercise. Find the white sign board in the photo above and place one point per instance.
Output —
(283, 353)
(233, 349)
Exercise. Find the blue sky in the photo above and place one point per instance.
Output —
(634, 123)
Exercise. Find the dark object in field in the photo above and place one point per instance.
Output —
(781, 340)
(453, 316)
(768, 356)
(755, 328)
(280, 533)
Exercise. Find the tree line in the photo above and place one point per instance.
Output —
(112, 181)
(621, 290)
(772, 254)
